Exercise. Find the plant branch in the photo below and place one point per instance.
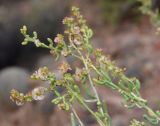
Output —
(76, 115)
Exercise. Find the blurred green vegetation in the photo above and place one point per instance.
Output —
(152, 9)
(116, 11)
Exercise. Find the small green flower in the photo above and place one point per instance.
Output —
(24, 30)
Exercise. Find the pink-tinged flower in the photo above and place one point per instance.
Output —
(59, 38)
(38, 93)
(56, 40)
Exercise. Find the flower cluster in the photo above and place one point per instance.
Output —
(137, 123)
(36, 94)
(81, 75)
(41, 73)
(64, 67)
(59, 38)
(20, 98)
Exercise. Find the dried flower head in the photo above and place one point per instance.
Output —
(76, 30)
(68, 20)
(80, 74)
(65, 52)
(63, 106)
(17, 97)
(98, 52)
(42, 74)
(38, 93)
(64, 67)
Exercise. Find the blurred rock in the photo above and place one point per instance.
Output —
(43, 17)
(120, 120)
(59, 118)
(45, 106)
(49, 61)
(135, 71)
(13, 78)
(26, 116)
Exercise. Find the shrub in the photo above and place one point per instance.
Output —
(97, 70)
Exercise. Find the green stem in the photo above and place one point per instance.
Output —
(76, 115)
(80, 99)
(139, 102)
(89, 77)
(93, 113)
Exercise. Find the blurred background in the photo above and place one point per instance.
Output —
(120, 30)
